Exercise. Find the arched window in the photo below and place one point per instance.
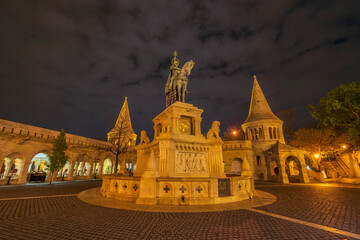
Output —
(260, 134)
(107, 166)
(76, 165)
(258, 160)
(256, 134)
(252, 134)
(274, 133)
(270, 133)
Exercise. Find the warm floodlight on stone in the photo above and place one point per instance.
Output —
(180, 166)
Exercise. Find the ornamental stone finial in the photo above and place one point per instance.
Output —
(255, 77)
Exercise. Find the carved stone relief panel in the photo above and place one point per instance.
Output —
(190, 162)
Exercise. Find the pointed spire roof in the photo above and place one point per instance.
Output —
(123, 124)
(125, 114)
(259, 107)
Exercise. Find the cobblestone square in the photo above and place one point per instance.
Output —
(43, 211)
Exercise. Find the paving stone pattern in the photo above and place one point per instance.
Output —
(46, 189)
(69, 218)
(337, 207)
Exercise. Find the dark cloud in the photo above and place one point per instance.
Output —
(71, 64)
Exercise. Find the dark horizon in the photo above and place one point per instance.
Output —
(71, 64)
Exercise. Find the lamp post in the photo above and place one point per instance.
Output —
(317, 156)
(234, 133)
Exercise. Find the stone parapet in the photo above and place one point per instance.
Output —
(9, 127)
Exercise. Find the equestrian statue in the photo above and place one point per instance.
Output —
(175, 89)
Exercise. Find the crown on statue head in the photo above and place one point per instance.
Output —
(175, 62)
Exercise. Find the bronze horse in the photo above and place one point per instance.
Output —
(180, 83)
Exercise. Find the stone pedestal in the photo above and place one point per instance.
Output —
(147, 194)
(180, 166)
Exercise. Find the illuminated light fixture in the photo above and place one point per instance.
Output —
(344, 146)
(308, 167)
(234, 132)
(316, 155)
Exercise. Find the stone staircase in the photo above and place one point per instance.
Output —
(338, 166)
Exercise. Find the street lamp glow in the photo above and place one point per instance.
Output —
(317, 155)
(234, 132)
(344, 146)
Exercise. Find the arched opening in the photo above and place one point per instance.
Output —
(80, 170)
(270, 133)
(236, 166)
(260, 133)
(38, 162)
(258, 160)
(82, 166)
(129, 166)
(5, 167)
(293, 169)
(256, 134)
(76, 166)
(274, 133)
(274, 169)
(87, 169)
(37, 169)
(158, 129)
(107, 166)
(64, 171)
(95, 169)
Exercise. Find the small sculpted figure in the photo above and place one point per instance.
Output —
(214, 131)
(144, 139)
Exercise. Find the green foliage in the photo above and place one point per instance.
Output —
(58, 156)
(340, 109)
(323, 141)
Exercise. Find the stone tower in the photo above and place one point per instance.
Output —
(123, 127)
(262, 125)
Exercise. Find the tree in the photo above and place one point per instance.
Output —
(341, 109)
(121, 137)
(320, 142)
(58, 157)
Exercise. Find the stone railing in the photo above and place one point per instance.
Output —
(227, 145)
(9, 127)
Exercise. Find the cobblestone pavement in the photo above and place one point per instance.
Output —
(66, 217)
(337, 207)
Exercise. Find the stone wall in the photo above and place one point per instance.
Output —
(19, 143)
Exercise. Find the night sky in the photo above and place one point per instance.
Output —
(70, 64)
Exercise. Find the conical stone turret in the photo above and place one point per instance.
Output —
(259, 107)
(261, 123)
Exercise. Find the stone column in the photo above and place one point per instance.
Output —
(90, 170)
(304, 176)
(101, 165)
(282, 173)
(23, 173)
(198, 127)
(70, 171)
